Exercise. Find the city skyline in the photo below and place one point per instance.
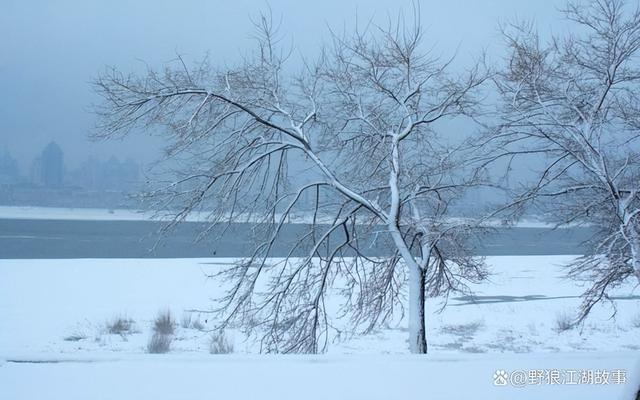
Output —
(49, 169)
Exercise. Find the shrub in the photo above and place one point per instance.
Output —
(76, 337)
(197, 325)
(220, 344)
(186, 320)
(164, 323)
(159, 343)
(636, 321)
(120, 326)
(564, 322)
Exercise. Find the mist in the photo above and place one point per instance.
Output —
(287, 199)
(53, 50)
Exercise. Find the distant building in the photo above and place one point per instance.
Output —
(8, 169)
(112, 174)
(48, 169)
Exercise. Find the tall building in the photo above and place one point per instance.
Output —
(48, 169)
(8, 169)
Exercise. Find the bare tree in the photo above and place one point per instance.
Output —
(355, 132)
(575, 101)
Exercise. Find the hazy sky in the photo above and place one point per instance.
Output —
(50, 51)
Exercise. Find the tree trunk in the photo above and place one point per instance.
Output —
(417, 333)
(634, 244)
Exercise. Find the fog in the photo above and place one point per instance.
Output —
(399, 217)
(51, 51)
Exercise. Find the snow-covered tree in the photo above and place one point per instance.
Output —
(359, 134)
(576, 100)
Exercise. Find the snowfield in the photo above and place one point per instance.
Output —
(54, 342)
(102, 214)
(307, 377)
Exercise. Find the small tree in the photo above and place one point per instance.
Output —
(354, 133)
(575, 101)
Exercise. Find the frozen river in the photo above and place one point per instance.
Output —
(20, 238)
(38, 238)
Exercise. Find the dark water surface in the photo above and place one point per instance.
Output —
(21, 238)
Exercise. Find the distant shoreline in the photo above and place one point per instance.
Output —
(104, 214)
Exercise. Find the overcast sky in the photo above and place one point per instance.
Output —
(50, 51)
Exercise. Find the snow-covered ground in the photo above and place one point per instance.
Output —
(99, 214)
(80, 214)
(56, 312)
(310, 378)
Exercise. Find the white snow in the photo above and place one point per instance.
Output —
(512, 326)
(307, 377)
(99, 214)
(74, 214)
